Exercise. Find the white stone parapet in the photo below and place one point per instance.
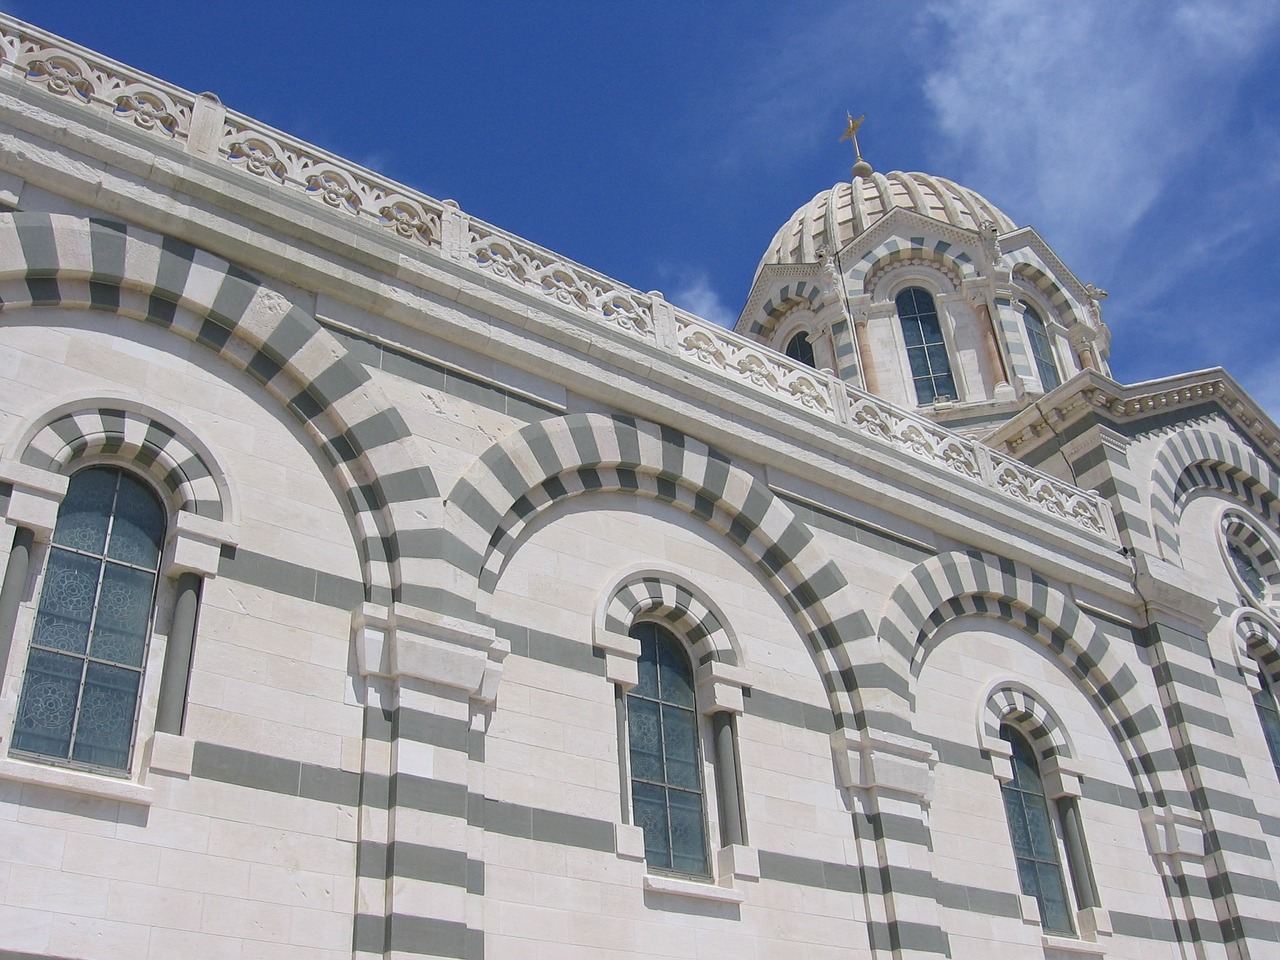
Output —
(75, 74)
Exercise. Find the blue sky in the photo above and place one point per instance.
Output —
(664, 143)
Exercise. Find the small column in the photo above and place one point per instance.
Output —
(14, 586)
(728, 780)
(1063, 785)
(191, 554)
(720, 687)
(33, 510)
(865, 359)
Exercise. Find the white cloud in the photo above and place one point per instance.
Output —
(1078, 114)
(696, 295)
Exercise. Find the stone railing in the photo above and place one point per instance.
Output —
(203, 127)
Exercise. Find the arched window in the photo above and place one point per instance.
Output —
(79, 699)
(1269, 715)
(800, 348)
(666, 768)
(926, 350)
(1041, 349)
(1035, 847)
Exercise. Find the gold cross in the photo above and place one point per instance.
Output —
(851, 133)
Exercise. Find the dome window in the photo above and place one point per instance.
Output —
(926, 349)
(1041, 348)
(800, 349)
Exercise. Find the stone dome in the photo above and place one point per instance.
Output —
(836, 216)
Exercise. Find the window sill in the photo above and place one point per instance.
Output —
(1083, 948)
(696, 889)
(75, 781)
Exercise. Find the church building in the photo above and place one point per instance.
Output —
(376, 584)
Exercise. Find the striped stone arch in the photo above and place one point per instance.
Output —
(953, 585)
(1052, 291)
(786, 296)
(1195, 459)
(49, 260)
(1258, 644)
(900, 249)
(1012, 703)
(659, 595)
(547, 462)
(154, 444)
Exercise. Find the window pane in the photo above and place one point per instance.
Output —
(944, 386)
(937, 357)
(124, 609)
(650, 805)
(1027, 879)
(138, 526)
(648, 664)
(48, 708)
(800, 348)
(675, 679)
(1043, 845)
(919, 361)
(1019, 833)
(911, 333)
(66, 601)
(105, 725)
(646, 739)
(82, 518)
(688, 843)
(1054, 913)
(680, 743)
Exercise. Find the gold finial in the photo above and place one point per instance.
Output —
(861, 168)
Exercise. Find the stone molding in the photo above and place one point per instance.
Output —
(35, 499)
(408, 643)
(884, 761)
(195, 545)
(1171, 592)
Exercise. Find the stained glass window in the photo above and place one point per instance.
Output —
(84, 671)
(800, 348)
(666, 770)
(926, 350)
(1035, 848)
(1041, 348)
(1265, 701)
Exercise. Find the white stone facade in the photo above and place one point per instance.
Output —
(422, 479)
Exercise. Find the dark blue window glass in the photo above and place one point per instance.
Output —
(80, 691)
(1035, 848)
(666, 770)
(926, 350)
(1041, 349)
(1265, 701)
(800, 349)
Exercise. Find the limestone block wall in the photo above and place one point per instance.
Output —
(249, 850)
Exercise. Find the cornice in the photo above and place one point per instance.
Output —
(1090, 392)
